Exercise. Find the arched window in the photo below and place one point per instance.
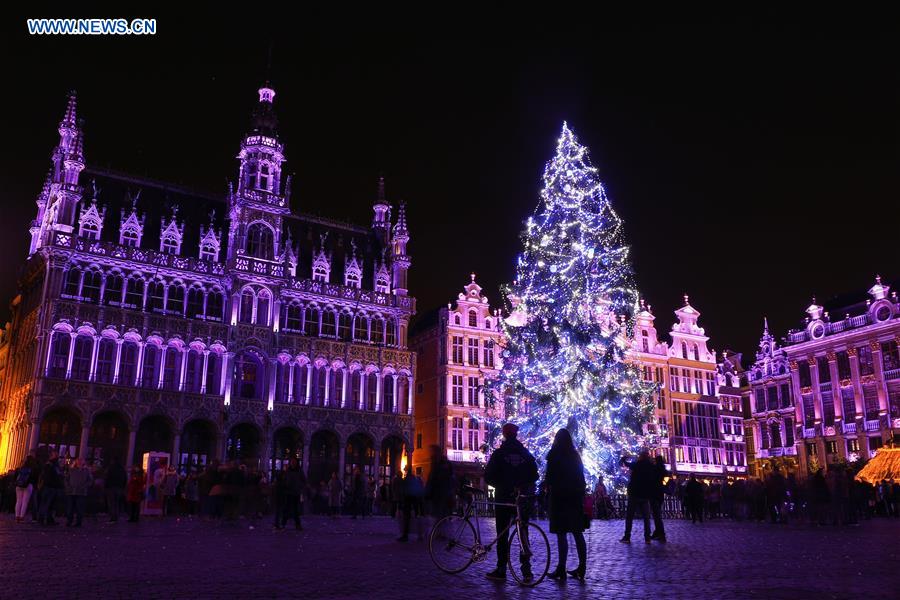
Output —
(378, 330)
(59, 354)
(175, 299)
(473, 318)
(208, 252)
(487, 323)
(130, 238)
(260, 241)
(149, 373)
(106, 360)
(387, 394)
(90, 287)
(193, 374)
(344, 321)
(214, 373)
(73, 282)
(337, 387)
(684, 353)
(318, 386)
(264, 177)
(90, 230)
(696, 352)
(112, 294)
(293, 317)
(215, 305)
(246, 313)
(301, 372)
(195, 302)
(172, 368)
(356, 376)
(282, 379)
(311, 321)
(263, 302)
(128, 363)
(360, 328)
(328, 322)
(81, 358)
(371, 391)
(155, 294)
(645, 341)
(249, 376)
(390, 336)
(169, 245)
(456, 320)
(134, 293)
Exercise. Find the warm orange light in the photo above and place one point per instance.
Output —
(403, 460)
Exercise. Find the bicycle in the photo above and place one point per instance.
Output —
(455, 543)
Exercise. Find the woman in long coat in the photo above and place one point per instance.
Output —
(565, 481)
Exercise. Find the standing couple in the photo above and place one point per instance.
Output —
(511, 468)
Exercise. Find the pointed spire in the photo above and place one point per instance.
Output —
(71, 116)
(381, 196)
(400, 227)
(765, 326)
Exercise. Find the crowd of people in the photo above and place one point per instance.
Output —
(47, 491)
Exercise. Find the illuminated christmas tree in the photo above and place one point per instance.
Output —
(571, 312)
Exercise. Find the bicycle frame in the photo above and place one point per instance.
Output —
(470, 513)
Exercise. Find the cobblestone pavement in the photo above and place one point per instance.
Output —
(360, 559)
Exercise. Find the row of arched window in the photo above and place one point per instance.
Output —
(315, 321)
(114, 288)
(473, 319)
(150, 364)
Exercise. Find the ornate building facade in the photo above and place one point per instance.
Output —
(151, 317)
(696, 417)
(457, 349)
(831, 393)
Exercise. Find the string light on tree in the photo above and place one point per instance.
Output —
(571, 308)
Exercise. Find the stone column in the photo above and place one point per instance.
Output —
(326, 401)
(396, 384)
(227, 366)
(205, 371)
(176, 449)
(129, 458)
(409, 406)
(309, 373)
(139, 367)
(363, 383)
(274, 364)
(162, 366)
(72, 337)
(119, 343)
(185, 352)
(83, 445)
(95, 348)
(306, 451)
(817, 395)
(290, 396)
(342, 459)
(345, 383)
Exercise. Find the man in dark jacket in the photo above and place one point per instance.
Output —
(114, 484)
(641, 486)
(294, 486)
(656, 502)
(52, 485)
(510, 470)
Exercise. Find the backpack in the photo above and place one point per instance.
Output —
(23, 477)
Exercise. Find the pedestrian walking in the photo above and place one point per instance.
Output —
(77, 481)
(413, 496)
(26, 480)
(114, 485)
(656, 500)
(510, 470)
(293, 487)
(565, 488)
(693, 498)
(335, 493)
(640, 489)
(358, 494)
(134, 494)
(52, 485)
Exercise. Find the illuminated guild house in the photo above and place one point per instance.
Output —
(844, 383)
(772, 413)
(457, 349)
(210, 327)
(698, 433)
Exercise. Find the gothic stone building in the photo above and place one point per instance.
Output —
(154, 318)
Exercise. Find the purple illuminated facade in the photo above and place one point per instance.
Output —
(151, 317)
(831, 392)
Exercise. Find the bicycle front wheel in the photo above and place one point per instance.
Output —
(452, 544)
(529, 554)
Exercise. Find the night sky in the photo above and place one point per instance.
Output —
(754, 165)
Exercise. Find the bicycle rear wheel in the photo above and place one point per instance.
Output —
(529, 556)
(452, 544)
